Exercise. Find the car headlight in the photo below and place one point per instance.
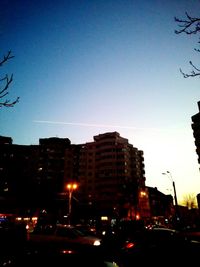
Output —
(97, 243)
(110, 264)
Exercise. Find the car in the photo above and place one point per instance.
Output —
(62, 245)
(160, 246)
(64, 233)
(13, 239)
(154, 246)
(62, 240)
(87, 229)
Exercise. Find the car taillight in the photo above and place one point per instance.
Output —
(68, 251)
(129, 245)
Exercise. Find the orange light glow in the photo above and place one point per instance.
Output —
(142, 193)
(72, 186)
(137, 217)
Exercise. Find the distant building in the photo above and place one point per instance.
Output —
(18, 165)
(50, 170)
(51, 163)
(161, 205)
(4, 140)
(198, 201)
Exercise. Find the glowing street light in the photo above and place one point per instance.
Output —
(71, 187)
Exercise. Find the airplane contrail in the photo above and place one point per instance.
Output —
(85, 124)
(94, 125)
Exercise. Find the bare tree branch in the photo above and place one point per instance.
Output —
(6, 81)
(190, 25)
(193, 73)
(6, 58)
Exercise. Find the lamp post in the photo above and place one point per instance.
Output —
(71, 187)
(174, 188)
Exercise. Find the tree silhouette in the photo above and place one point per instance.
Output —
(189, 25)
(190, 201)
(5, 82)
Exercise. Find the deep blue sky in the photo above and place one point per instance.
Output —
(90, 67)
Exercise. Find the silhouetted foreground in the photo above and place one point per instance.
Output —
(124, 247)
(155, 246)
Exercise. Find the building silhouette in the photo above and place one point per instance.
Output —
(196, 131)
(18, 172)
(111, 174)
(109, 171)
(50, 171)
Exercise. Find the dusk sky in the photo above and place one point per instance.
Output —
(83, 68)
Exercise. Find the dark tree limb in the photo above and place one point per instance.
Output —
(190, 25)
(6, 81)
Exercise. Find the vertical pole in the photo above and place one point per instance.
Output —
(70, 187)
(70, 204)
(175, 196)
(176, 202)
(168, 173)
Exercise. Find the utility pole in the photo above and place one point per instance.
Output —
(71, 187)
(168, 173)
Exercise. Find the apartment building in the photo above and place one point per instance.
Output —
(111, 174)
(51, 170)
(18, 169)
(196, 131)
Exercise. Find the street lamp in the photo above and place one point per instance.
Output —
(71, 187)
(173, 184)
(175, 196)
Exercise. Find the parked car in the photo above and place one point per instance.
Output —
(71, 257)
(63, 245)
(13, 239)
(87, 229)
(158, 246)
(62, 236)
(154, 246)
